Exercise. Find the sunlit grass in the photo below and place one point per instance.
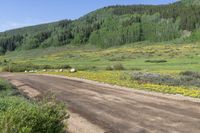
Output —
(91, 62)
(179, 57)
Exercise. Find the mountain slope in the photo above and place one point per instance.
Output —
(109, 26)
(190, 2)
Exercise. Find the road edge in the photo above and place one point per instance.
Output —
(75, 123)
(145, 92)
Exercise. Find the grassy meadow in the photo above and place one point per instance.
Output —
(178, 57)
(118, 65)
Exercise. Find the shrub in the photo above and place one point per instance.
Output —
(156, 61)
(3, 62)
(86, 68)
(195, 36)
(116, 58)
(19, 115)
(185, 79)
(29, 66)
(4, 85)
(155, 78)
(135, 69)
(116, 66)
(62, 67)
(6, 89)
(19, 67)
(44, 67)
(109, 68)
(191, 74)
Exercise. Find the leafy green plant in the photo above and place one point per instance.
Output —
(195, 36)
(19, 115)
(4, 85)
(21, 67)
(191, 74)
(116, 66)
(186, 78)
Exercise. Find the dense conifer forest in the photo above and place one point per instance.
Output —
(111, 26)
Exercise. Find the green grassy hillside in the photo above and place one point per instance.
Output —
(143, 56)
(111, 26)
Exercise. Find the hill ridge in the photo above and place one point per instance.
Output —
(109, 26)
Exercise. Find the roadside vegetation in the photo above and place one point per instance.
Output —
(156, 57)
(167, 68)
(165, 62)
(20, 115)
(125, 79)
(22, 67)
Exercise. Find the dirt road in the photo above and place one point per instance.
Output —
(119, 110)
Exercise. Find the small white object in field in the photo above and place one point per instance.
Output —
(61, 70)
(72, 70)
(25, 71)
(31, 71)
(44, 70)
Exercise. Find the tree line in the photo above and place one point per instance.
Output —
(110, 26)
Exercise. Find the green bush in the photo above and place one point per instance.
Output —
(4, 85)
(17, 115)
(191, 74)
(86, 68)
(17, 67)
(116, 66)
(195, 36)
(6, 89)
(155, 78)
(61, 67)
(156, 61)
(135, 69)
(187, 78)
(14, 67)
